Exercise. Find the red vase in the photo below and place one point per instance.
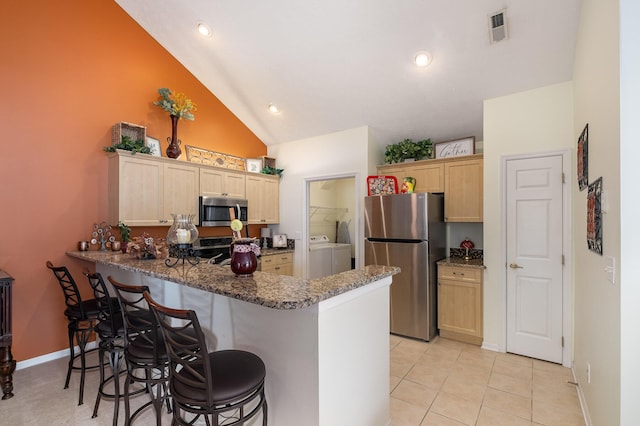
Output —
(173, 150)
(243, 260)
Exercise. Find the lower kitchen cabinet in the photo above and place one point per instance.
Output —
(460, 303)
(281, 264)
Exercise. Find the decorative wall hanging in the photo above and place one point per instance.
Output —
(456, 148)
(583, 158)
(212, 158)
(594, 217)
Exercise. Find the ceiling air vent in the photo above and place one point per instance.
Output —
(498, 26)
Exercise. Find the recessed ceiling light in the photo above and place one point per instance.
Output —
(422, 59)
(273, 108)
(204, 29)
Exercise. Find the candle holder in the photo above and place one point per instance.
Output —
(180, 238)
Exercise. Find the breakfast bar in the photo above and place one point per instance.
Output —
(325, 342)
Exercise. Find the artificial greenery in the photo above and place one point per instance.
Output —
(271, 171)
(179, 106)
(398, 152)
(129, 145)
(125, 232)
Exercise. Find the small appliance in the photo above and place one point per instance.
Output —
(217, 211)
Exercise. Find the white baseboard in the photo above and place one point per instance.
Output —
(491, 347)
(50, 357)
(583, 400)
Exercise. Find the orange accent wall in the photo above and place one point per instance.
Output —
(68, 72)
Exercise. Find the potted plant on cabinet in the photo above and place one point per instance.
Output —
(408, 149)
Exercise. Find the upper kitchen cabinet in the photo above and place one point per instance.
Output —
(145, 190)
(222, 183)
(263, 195)
(459, 178)
(463, 193)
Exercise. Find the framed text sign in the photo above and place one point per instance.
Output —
(455, 148)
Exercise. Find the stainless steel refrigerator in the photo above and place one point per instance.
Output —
(408, 230)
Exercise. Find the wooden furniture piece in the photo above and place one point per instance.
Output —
(459, 178)
(222, 183)
(264, 198)
(281, 264)
(7, 363)
(219, 385)
(460, 303)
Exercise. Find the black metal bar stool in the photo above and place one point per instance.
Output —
(81, 315)
(110, 330)
(214, 385)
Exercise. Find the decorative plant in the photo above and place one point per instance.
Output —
(125, 232)
(146, 247)
(267, 170)
(179, 106)
(128, 144)
(398, 152)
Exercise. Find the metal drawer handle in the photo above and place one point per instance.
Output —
(515, 266)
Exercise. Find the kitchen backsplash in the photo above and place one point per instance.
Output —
(459, 253)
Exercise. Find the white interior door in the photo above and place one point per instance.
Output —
(534, 263)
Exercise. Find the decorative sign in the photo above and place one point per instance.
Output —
(455, 148)
(583, 158)
(212, 158)
(594, 217)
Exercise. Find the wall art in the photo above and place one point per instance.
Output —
(583, 158)
(594, 216)
(455, 148)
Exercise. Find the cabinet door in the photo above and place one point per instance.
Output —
(263, 196)
(135, 190)
(460, 307)
(429, 178)
(181, 183)
(463, 191)
(397, 171)
(220, 183)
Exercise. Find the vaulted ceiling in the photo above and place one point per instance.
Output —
(332, 65)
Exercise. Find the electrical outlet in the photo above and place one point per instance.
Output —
(588, 373)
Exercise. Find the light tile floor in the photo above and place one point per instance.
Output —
(445, 382)
(438, 383)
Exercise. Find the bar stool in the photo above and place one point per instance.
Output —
(144, 351)
(213, 385)
(110, 330)
(81, 316)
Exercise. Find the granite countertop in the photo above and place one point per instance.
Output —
(264, 288)
(457, 261)
(274, 251)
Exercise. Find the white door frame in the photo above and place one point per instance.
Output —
(358, 235)
(567, 243)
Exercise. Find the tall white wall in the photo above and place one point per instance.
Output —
(630, 211)
(528, 122)
(597, 301)
(349, 152)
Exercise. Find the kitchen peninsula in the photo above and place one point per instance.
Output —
(325, 342)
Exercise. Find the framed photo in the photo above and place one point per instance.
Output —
(594, 216)
(455, 148)
(154, 145)
(254, 165)
(583, 158)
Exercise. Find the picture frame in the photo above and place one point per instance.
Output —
(594, 216)
(154, 146)
(254, 165)
(455, 148)
(583, 158)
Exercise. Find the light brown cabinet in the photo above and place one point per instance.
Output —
(459, 178)
(281, 264)
(222, 183)
(263, 196)
(181, 183)
(463, 190)
(460, 303)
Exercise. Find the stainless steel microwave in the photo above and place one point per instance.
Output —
(216, 211)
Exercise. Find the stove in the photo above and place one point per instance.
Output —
(214, 248)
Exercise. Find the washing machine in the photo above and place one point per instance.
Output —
(327, 258)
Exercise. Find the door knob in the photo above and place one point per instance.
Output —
(515, 266)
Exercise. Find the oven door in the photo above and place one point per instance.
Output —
(216, 211)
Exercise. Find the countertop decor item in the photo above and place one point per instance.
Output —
(128, 144)
(178, 107)
(408, 149)
(382, 185)
(244, 261)
(408, 185)
(147, 247)
(467, 245)
(125, 236)
(102, 235)
(129, 137)
(180, 238)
